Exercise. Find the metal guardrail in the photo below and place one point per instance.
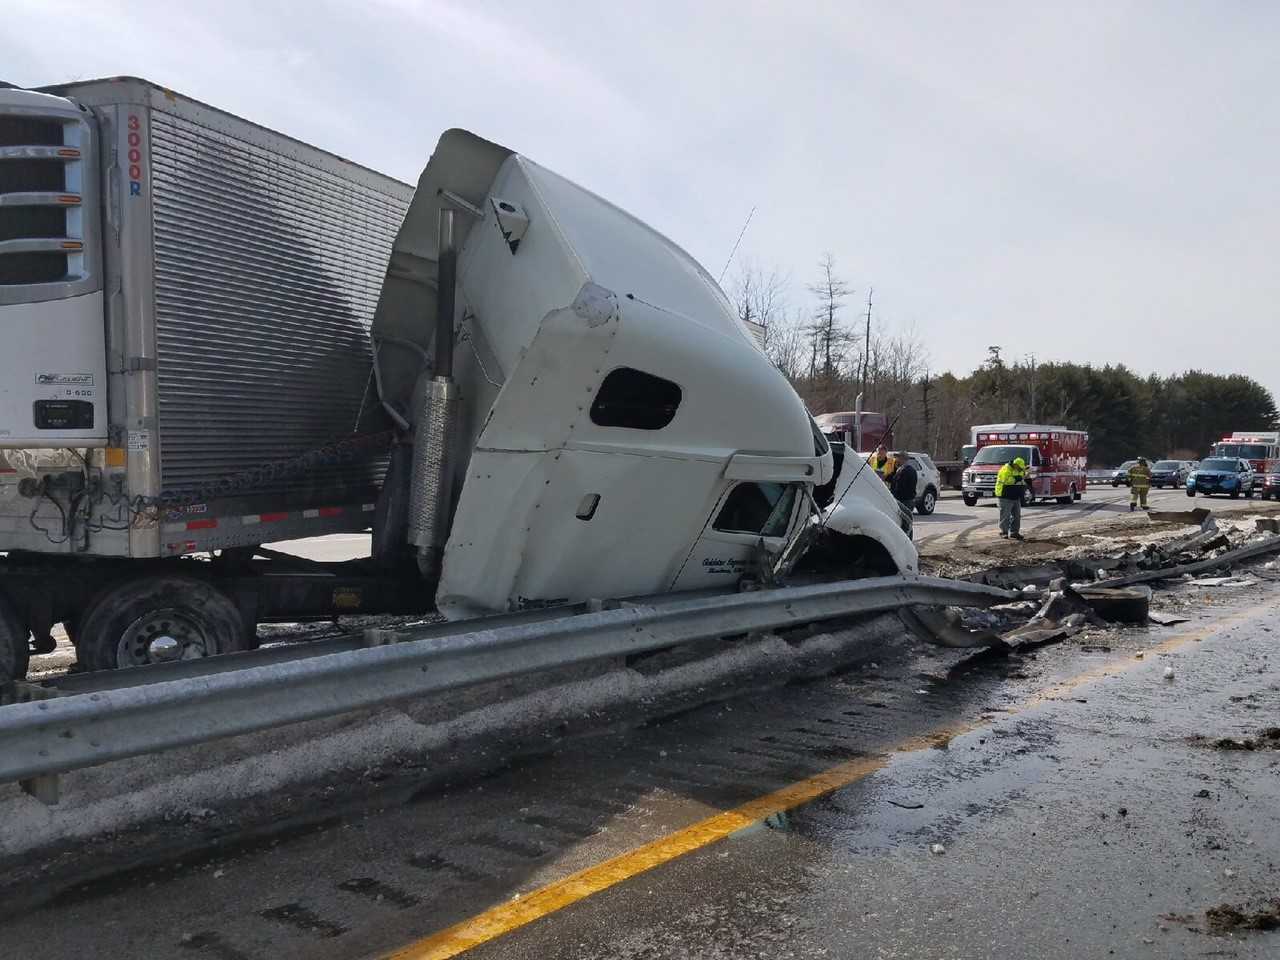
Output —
(48, 737)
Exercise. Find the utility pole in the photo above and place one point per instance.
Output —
(866, 345)
(1032, 362)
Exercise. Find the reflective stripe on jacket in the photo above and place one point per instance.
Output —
(1009, 478)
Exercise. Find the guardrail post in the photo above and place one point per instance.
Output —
(45, 788)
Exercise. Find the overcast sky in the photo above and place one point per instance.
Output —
(1099, 182)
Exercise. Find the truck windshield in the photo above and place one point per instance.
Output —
(1002, 454)
(1246, 451)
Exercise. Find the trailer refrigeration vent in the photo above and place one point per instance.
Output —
(41, 207)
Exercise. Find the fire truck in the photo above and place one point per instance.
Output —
(1253, 445)
(1055, 457)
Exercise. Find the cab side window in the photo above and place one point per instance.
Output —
(760, 509)
(635, 400)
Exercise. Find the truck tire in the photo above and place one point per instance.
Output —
(119, 625)
(928, 500)
(15, 652)
(1191, 491)
(970, 500)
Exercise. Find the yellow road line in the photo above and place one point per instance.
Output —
(513, 914)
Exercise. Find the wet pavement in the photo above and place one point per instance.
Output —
(1078, 795)
(1100, 822)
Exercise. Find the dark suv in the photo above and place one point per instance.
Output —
(1169, 473)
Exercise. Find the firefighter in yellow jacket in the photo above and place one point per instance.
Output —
(1139, 483)
(1011, 485)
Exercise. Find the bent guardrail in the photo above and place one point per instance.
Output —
(48, 737)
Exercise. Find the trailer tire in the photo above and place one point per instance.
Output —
(118, 625)
(15, 651)
(970, 501)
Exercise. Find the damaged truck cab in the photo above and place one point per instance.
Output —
(618, 431)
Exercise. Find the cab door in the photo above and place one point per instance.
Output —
(748, 513)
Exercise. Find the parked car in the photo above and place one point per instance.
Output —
(1271, 480)
(928, 482)
(1229, 475)
(1169, 473)
(1121, 473)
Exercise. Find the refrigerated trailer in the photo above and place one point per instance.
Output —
(214, 337)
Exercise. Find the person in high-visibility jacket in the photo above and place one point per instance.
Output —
(1011, 485)
(1139, 483)
(879, 461)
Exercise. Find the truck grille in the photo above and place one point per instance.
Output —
(267, 273)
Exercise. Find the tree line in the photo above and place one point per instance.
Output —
(838, 348)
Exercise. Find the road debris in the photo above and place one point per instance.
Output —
(1267, 739)
(937, 849)
(1226, 918)
(1168, 673)
(1119, 605)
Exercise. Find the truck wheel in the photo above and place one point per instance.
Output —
(15, 652)
(927, 502)
(970, 500)
(166, 618)
(1191, 491)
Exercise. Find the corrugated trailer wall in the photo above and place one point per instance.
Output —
(267, 273)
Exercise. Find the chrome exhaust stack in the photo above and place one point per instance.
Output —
(435, 422)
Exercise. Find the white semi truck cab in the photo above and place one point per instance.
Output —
(214, 337)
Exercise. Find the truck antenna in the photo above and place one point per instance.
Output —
(741, 234)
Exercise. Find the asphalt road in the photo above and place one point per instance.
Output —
(1081, 807)
(953, 525)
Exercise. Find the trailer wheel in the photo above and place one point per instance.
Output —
(167, 618)
(15, 652)
(970, 501)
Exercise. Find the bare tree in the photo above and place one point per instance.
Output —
(829, 336)
(785, 345)
(759, 295)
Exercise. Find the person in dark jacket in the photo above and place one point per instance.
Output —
(902, 483)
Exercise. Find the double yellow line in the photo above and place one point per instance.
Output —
(513, 914)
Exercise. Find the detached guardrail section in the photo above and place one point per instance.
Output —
(43, 738)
